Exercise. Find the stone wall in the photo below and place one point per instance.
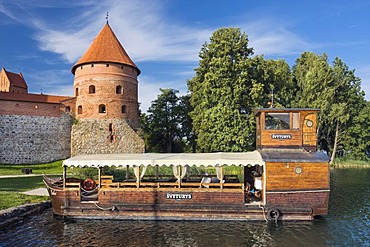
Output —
(34, 139)
(105, 136)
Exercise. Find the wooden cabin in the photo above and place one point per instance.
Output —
(297, 175)
(286, 178)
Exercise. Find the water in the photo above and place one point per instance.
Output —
(348, 224)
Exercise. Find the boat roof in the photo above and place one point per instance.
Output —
(166, 159)
(293, 155)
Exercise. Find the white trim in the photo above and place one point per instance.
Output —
(167, 159)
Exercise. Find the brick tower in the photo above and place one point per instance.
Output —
(106, 91)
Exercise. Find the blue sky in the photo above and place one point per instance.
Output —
(43, 39)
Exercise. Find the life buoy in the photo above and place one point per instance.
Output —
(273, 214)
(88, 184)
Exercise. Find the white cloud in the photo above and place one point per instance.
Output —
(140, 28)
(272, 38)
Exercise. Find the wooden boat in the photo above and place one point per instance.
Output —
(286, 178)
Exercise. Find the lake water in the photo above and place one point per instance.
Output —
(348, 224)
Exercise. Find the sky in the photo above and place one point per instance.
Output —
(44, 39)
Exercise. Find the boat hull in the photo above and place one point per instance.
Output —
(185, 204)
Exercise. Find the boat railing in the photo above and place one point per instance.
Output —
(73, 186)
(169, 184)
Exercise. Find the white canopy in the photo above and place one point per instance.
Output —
(166, 159)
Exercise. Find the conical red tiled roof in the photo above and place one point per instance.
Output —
(105, 48)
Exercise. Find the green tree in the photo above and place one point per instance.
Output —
(346, 105)
(228, 85)
(220, 98)
(334, 90)
(163, 124)
(357, 139)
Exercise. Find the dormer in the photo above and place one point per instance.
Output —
(290, 128)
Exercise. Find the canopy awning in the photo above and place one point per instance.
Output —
(166, 159)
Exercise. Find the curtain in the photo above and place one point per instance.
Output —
(139, 175)
(184, 171)
(219, 174)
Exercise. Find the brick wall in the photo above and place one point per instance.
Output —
(34, 139)
(96, 84)
(10, 107)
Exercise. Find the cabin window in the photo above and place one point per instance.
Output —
(91, 89)
(119, 90)
(102, 108)
(277, 121)
(79, 109)
(124, 109)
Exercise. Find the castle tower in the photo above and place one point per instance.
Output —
(105, 83)
(106, 91)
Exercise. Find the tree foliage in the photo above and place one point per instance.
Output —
(335, 90)
(229, 84)
(165, 124)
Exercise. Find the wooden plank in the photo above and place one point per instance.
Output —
(281, 176)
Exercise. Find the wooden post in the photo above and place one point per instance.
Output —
(127, 172)
(64, 176)
(222, 178)
(156, 171)
(179, 173)
(99, 175)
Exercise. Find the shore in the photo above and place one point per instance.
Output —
(14, 214)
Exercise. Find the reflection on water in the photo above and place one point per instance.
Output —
(347, 225)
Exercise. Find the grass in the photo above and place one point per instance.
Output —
(344, 162)
(47, 168)
(11, 188)
(12, 199)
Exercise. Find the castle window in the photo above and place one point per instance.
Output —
(92, 65)
(119, 90)
(91, 89)
(16, 105)
(68, 109)
(102, 108)
(107, 64)
(82, 67)
(111, 133)
(36, 107)
(79, 109)
(76, 91)
(124, 109)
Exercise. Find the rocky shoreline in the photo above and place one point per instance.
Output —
(11, 215)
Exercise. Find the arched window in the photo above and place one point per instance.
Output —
(79, 109)
(68, 109)
(91, 89)
(76, 93)
(124, 109)
(102, 108)
(119, 90)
